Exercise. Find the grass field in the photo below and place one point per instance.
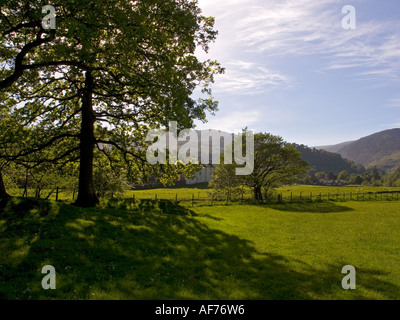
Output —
(202, 193)
(161, 250)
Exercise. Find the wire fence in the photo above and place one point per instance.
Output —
(210, 198)
(301, 197)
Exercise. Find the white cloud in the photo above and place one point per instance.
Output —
(394, 102)
(302, 27)
(258, 118)
(244, 78)
(233, 121)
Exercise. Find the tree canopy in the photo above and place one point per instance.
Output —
(276, 162)
(108, 73)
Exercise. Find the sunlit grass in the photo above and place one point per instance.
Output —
(161, 250)
(204, 194)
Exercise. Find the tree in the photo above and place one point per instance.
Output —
(392, 179)
(12, 55)
(276, 162)
(343, 176)
(320, 175)
(331, 176)
(225, 181)
(356, 179)
(111, 71)
(3, 191)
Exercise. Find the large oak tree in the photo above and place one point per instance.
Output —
(109, 72)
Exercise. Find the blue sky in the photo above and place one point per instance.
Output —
(292, 70)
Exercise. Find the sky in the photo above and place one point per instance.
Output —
(293, 70)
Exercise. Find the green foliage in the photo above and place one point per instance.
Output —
(108, 184)
(392, 179)
(225, 183)
(276, 162)
(343, 176)
(110, 72)
(324, 161)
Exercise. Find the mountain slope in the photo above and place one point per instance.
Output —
(334, 148)
(321, 160)
(381, 149)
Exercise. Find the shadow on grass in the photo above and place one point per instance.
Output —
(312, 207)
(3, 203)
(143, 253)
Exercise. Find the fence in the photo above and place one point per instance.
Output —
(247, 198)
(300, 197)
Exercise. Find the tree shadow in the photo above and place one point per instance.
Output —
(3, 203)
(146, 254)
(311, 207)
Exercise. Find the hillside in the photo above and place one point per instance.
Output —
(335, 148)
(381, 149)
(321, 160)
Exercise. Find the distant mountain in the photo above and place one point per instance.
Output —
(335, 148)
(321, 160)
(381, 149)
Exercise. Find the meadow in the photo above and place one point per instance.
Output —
(160, 249)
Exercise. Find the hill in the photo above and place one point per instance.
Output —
(381, 149)
(335, 148)
(321, 160)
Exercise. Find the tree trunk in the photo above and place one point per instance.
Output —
(86, 193)
(258, 194)
(3, 192)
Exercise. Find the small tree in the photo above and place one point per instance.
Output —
(343, 176)
(276, 162)
(320, 175)
(225, 182)
(356, 179)
(392, 179)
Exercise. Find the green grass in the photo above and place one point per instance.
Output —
(316, 190)
(161, 250)
(170, 194)
(203, 193)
